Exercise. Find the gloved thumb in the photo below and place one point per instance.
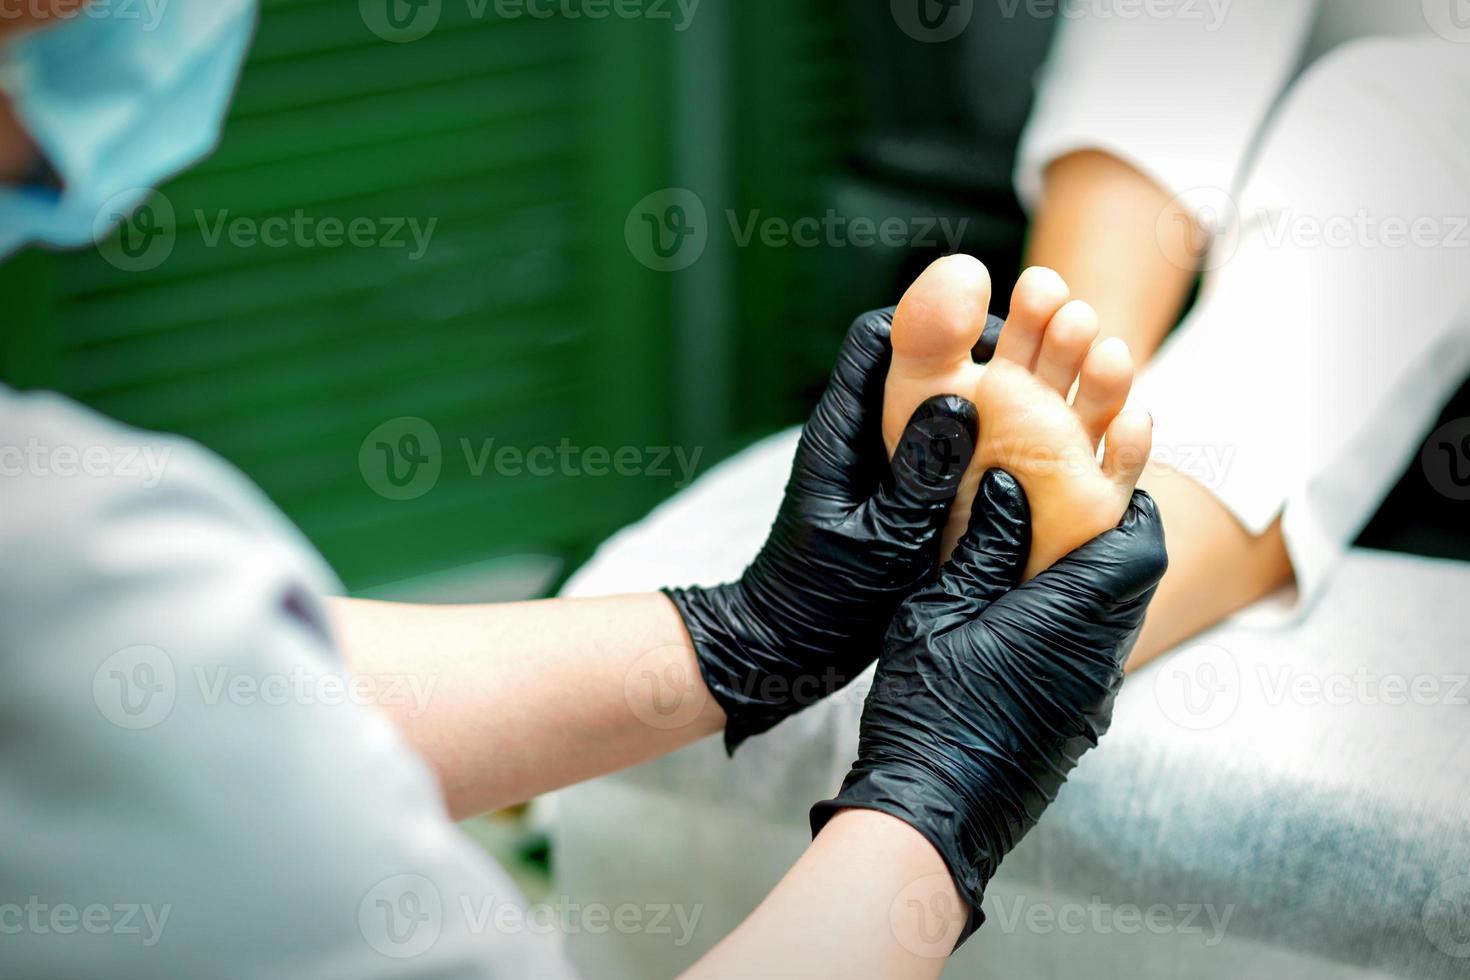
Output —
(990, 558)
(913, 501)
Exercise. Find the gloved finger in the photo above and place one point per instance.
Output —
(913, 502)
(989, 560)
(984, 348)
(1095, 598)
(841, 451)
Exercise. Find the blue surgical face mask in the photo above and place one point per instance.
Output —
(117, 97)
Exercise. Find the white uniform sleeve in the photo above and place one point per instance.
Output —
(189, 784)
(1176, 88)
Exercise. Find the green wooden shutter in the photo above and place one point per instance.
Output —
(797, 122)
(526, 320)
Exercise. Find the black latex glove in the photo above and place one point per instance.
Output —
(987, 693)
(853, 538)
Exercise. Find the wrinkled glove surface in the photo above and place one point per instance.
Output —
(988, 692)
(853, 538)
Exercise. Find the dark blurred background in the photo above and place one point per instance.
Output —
(531, 318)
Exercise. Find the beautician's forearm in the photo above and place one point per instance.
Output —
(1120, 244)
(517, 699)
(869, 898)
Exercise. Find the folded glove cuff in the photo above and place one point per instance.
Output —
(909, 796)
(732, 678)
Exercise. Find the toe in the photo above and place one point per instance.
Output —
(1067, 340)
(942, 314)
(1125, 453)
(1039, 294)
(1102, 389)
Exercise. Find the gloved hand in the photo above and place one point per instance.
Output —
(853, 538)
(987, 693)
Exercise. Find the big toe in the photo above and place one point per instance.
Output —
(943, 313)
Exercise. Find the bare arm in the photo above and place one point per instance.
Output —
(1119, 242)
(869, 898)
(523, 698)
(508, 701)
(1123, 246)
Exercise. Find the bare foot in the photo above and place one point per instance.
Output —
(1027, 426)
